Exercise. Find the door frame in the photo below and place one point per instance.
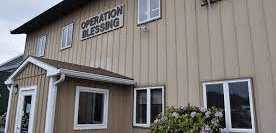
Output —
(26, 91)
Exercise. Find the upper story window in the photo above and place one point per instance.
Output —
(91, 108)
(148, 104)
(235, 97)
(40, 46)
(67, 36)
(148, 10)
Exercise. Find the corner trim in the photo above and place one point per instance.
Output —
(8, 109)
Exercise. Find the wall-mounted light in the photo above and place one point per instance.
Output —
(208, 2)
(144, 28)
(15, 89)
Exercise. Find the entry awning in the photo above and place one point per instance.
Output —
(55, 68)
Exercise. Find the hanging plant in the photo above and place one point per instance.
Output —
(208, 2)
(189, 119)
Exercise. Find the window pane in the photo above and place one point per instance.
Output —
(154, 8)
(143, 10)
(156, 103)
(26, 114)
(240, 105)
(43, 43)
(141, 106)
(70, 34)
(215, 97)
(91, 108)
(40, 46)
(64, 37)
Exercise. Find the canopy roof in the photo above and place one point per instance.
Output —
(54, 68)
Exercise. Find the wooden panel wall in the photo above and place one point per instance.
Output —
(119, 114)
(190, 44)
(32, 76)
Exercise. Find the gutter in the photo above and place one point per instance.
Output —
(96, 77)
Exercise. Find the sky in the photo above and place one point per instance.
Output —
(14, 13)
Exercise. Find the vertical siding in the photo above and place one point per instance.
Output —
(188, 45)
(119, 110)
(32, 76)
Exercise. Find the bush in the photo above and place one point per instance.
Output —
(188, 119)
(2, 120)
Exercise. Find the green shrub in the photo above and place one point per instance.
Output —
(188, 119)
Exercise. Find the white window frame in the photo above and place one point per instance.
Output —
(148, 124)
(23, 92)
(227, 107)
(68, 42)
(105, 113)
(40, 47)
(148, 13)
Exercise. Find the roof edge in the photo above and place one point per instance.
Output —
(97, 77)
(50, 69)
(53, 71)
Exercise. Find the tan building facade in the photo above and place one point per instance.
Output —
(181, 50)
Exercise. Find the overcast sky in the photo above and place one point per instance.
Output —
(14, 13)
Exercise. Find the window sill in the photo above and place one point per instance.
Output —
(39, 56)
(90, 127)
(145, 126)
(148, 21)
(62, 49)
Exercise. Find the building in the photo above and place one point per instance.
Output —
(113, 65)
(6, 69)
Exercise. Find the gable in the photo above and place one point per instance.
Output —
(30, 70)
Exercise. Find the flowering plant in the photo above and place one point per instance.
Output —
(188, 119)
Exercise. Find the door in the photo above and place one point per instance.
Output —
(25, 110)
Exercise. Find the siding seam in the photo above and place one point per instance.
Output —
(254, 73)
(268, 48)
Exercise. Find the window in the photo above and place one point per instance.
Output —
(91, 108)
(235, 98)
(67, 36)
(148, 104)
(40, 46)
(148, 10)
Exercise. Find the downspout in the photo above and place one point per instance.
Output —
(51, 103)
(9, 108)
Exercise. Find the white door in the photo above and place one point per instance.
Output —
(25, 110)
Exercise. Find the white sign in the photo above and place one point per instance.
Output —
(104, 22)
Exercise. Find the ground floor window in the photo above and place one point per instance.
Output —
(148, 104)
(235, 98)
(91, 108)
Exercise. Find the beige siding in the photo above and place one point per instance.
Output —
(119, 116)
(188, 45)
(32, 76)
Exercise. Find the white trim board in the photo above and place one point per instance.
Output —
(50, 69)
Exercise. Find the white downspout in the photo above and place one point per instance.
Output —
(8, 109)
(51, 103)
